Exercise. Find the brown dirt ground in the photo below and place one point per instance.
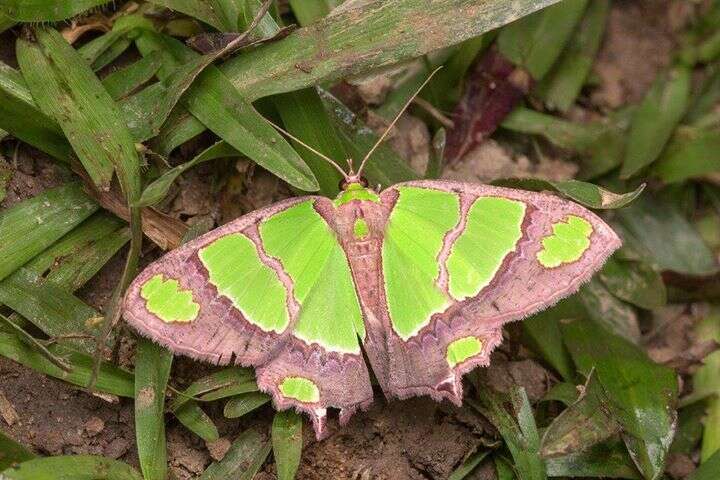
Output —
(414, 439)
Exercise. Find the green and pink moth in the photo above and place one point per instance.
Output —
(420, 278)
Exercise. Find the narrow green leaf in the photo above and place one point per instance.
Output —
(72, 467)
(707, 96)
(692, 152)
(562, 85)
(650, 221)
(605, 460)
(152, 370)
(564, 392)
(217, 385)
(706, 383)
(541, 332)
(470, 464)
(347, 42)
(655, 119)
(202, 10)
(23, 119)
(11, 452)
(6, 22)
(244, 403)
(122, 82)
(601, 144)
(245, 457)
(607, 310)
(158, 188)
(287, 443)
(40, 11)
(690, 429)
(642, 395)
(308, 11)
(635, 282)
(111, 379)
(111, 54)
(31, 226)
(536, 41)
(708, 469)
(74, 96)
(304, 116)
(583, 424)
(587, 194)
(518, 430)
(197, 421)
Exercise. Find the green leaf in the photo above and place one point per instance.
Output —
(308, 11)
(650, 221)
(304, 116)
(562, 85)
(202, 10)
(641, 395)
(692, 152)
(635, 282)
(584, 193)
(23, 119)
(122, 82)
(601, 144)
(11, 452)
(244, 403)
(348, 41)
(470, 464)
(75, 98)
(287, 443)
(221, 384)
(706, 383)
(536, 41)
(158, 188)
(583, 424)
(152, 370)
(690, 429)
(245, 457)
(71, 467)
(655, 120)
(708, 469)
(604, 460)
(111, 379)
(40, 11)
(31, 226)
(197, 421)
(518, 430)
(541, 332)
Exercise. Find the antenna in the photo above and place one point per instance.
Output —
(321, 155)
(397, 117)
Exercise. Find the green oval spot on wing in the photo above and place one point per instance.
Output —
(165, 300)
(462, 349)
(360, 228)
(310, 253)
(492, 231)
(300, 389)
(413, 240)
(238, 273)
(568, 242)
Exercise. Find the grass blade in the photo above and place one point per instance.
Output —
(244, 403)
(111, 379)
(12, 452)
(197, 421)
(123, 82)
(642, 395)
(72, 467)
(691, 153)
(24, 11)
(245, 457)
(152, 370)
(605, 460)
(217, 385)
(287, 443)
(655, 120)
(708, 469)
(31, 226)
(706, 383)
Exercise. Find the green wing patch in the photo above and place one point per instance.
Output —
(310, 253)
(492, 231)
(165, 299)
(569, 240)
(300, 389)
(461, 349)
(238, 273)
(413, 240)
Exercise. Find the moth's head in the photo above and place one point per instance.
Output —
(353, 182)
(355, 187)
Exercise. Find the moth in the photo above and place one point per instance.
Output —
(418, 279)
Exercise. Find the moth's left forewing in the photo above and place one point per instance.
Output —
(505, 254)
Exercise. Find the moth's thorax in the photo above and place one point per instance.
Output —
(360, 217)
